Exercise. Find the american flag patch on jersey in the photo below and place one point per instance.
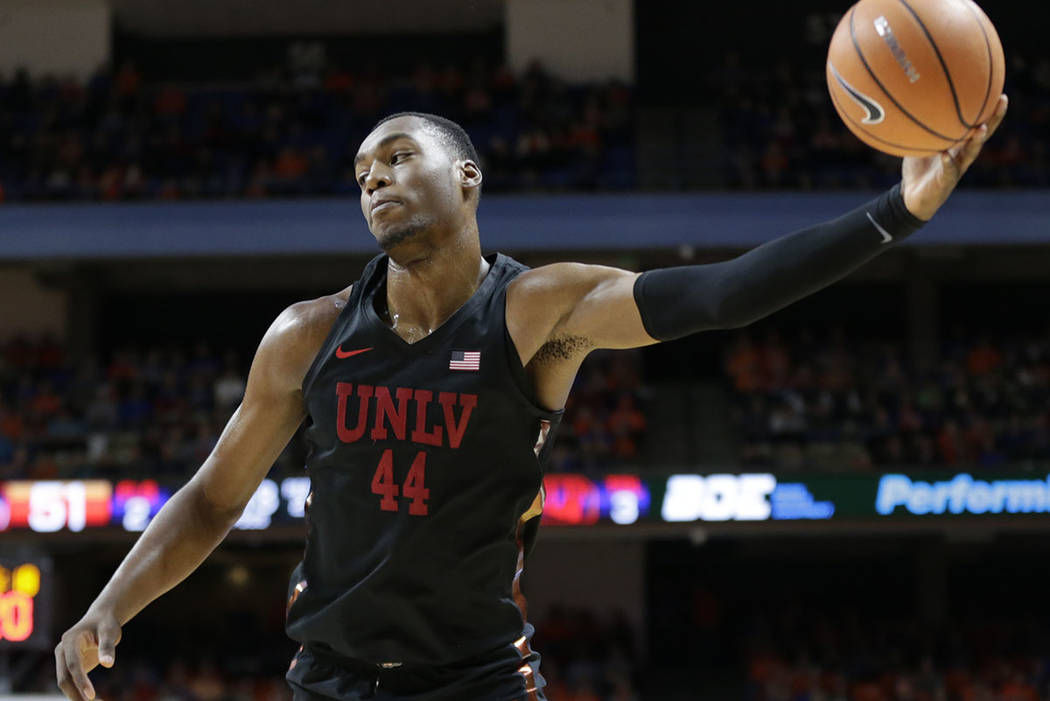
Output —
(465, 360)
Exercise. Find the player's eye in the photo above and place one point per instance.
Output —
(361, 179)
(399, 156)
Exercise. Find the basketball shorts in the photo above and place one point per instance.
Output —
(508, 673)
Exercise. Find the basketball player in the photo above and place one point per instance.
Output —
(431, 388)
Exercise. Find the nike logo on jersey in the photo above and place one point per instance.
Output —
(886, 238)
(875, 112)
(342, 354)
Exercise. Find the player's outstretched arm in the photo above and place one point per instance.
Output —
(196, 519)
(587, 307)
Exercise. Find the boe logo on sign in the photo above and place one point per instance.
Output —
(718, 498)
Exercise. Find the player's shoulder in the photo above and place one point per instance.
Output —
(555, 282)
(313, 316)
(549, 278)
(296, 335)
(540, 298)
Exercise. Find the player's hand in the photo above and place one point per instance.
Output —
(92, 641)
(929, 180)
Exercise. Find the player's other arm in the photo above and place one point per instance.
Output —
(196, 519)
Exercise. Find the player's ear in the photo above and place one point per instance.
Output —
(469, 174)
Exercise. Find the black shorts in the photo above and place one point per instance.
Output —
(508, 673)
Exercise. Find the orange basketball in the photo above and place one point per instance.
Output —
(914, 77)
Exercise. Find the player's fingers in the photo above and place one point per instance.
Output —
(957, 159)
(998, 115)
(75, 665)
(70, 691)
(972, 147)
(965, 153)
(108, 637)
(63, 677)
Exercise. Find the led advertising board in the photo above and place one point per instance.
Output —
(580, 500)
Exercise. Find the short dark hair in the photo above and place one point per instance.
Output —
(453, 134)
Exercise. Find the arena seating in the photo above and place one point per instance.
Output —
(796, 403)
(120, 136)
(584, 659)
(852, 658)
(842, 403)
(780, 131)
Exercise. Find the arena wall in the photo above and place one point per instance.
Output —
(588, 41)
(61, 37)
(199, 18)
(28, 308)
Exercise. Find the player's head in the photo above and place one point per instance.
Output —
(418, 173)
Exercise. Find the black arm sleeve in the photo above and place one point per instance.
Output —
(676, 302)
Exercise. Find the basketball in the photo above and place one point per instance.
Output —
(914, 77)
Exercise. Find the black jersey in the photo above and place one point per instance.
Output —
(424, 458)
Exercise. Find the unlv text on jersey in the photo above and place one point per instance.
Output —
(387, 413)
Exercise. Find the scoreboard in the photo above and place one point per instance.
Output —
(48, 506)
(25, 600)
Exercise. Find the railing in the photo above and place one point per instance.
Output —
(584, 222)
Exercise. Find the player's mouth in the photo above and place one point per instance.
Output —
(383, 204)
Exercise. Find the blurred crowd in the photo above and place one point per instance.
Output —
(587, 658)
(293, 132)
(780, 130)
(837, 403)
(157, 412)
(179, 680)
(809, 402)
(798, 656)
(788, 655)
(121, 136)
(604, 422)
(584, 658)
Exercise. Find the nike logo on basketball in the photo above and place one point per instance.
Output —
(886, 238)
(875, 112)
(342, 354)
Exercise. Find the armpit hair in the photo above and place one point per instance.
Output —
(561, 348)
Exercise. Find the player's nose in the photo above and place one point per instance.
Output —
(378, 176)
